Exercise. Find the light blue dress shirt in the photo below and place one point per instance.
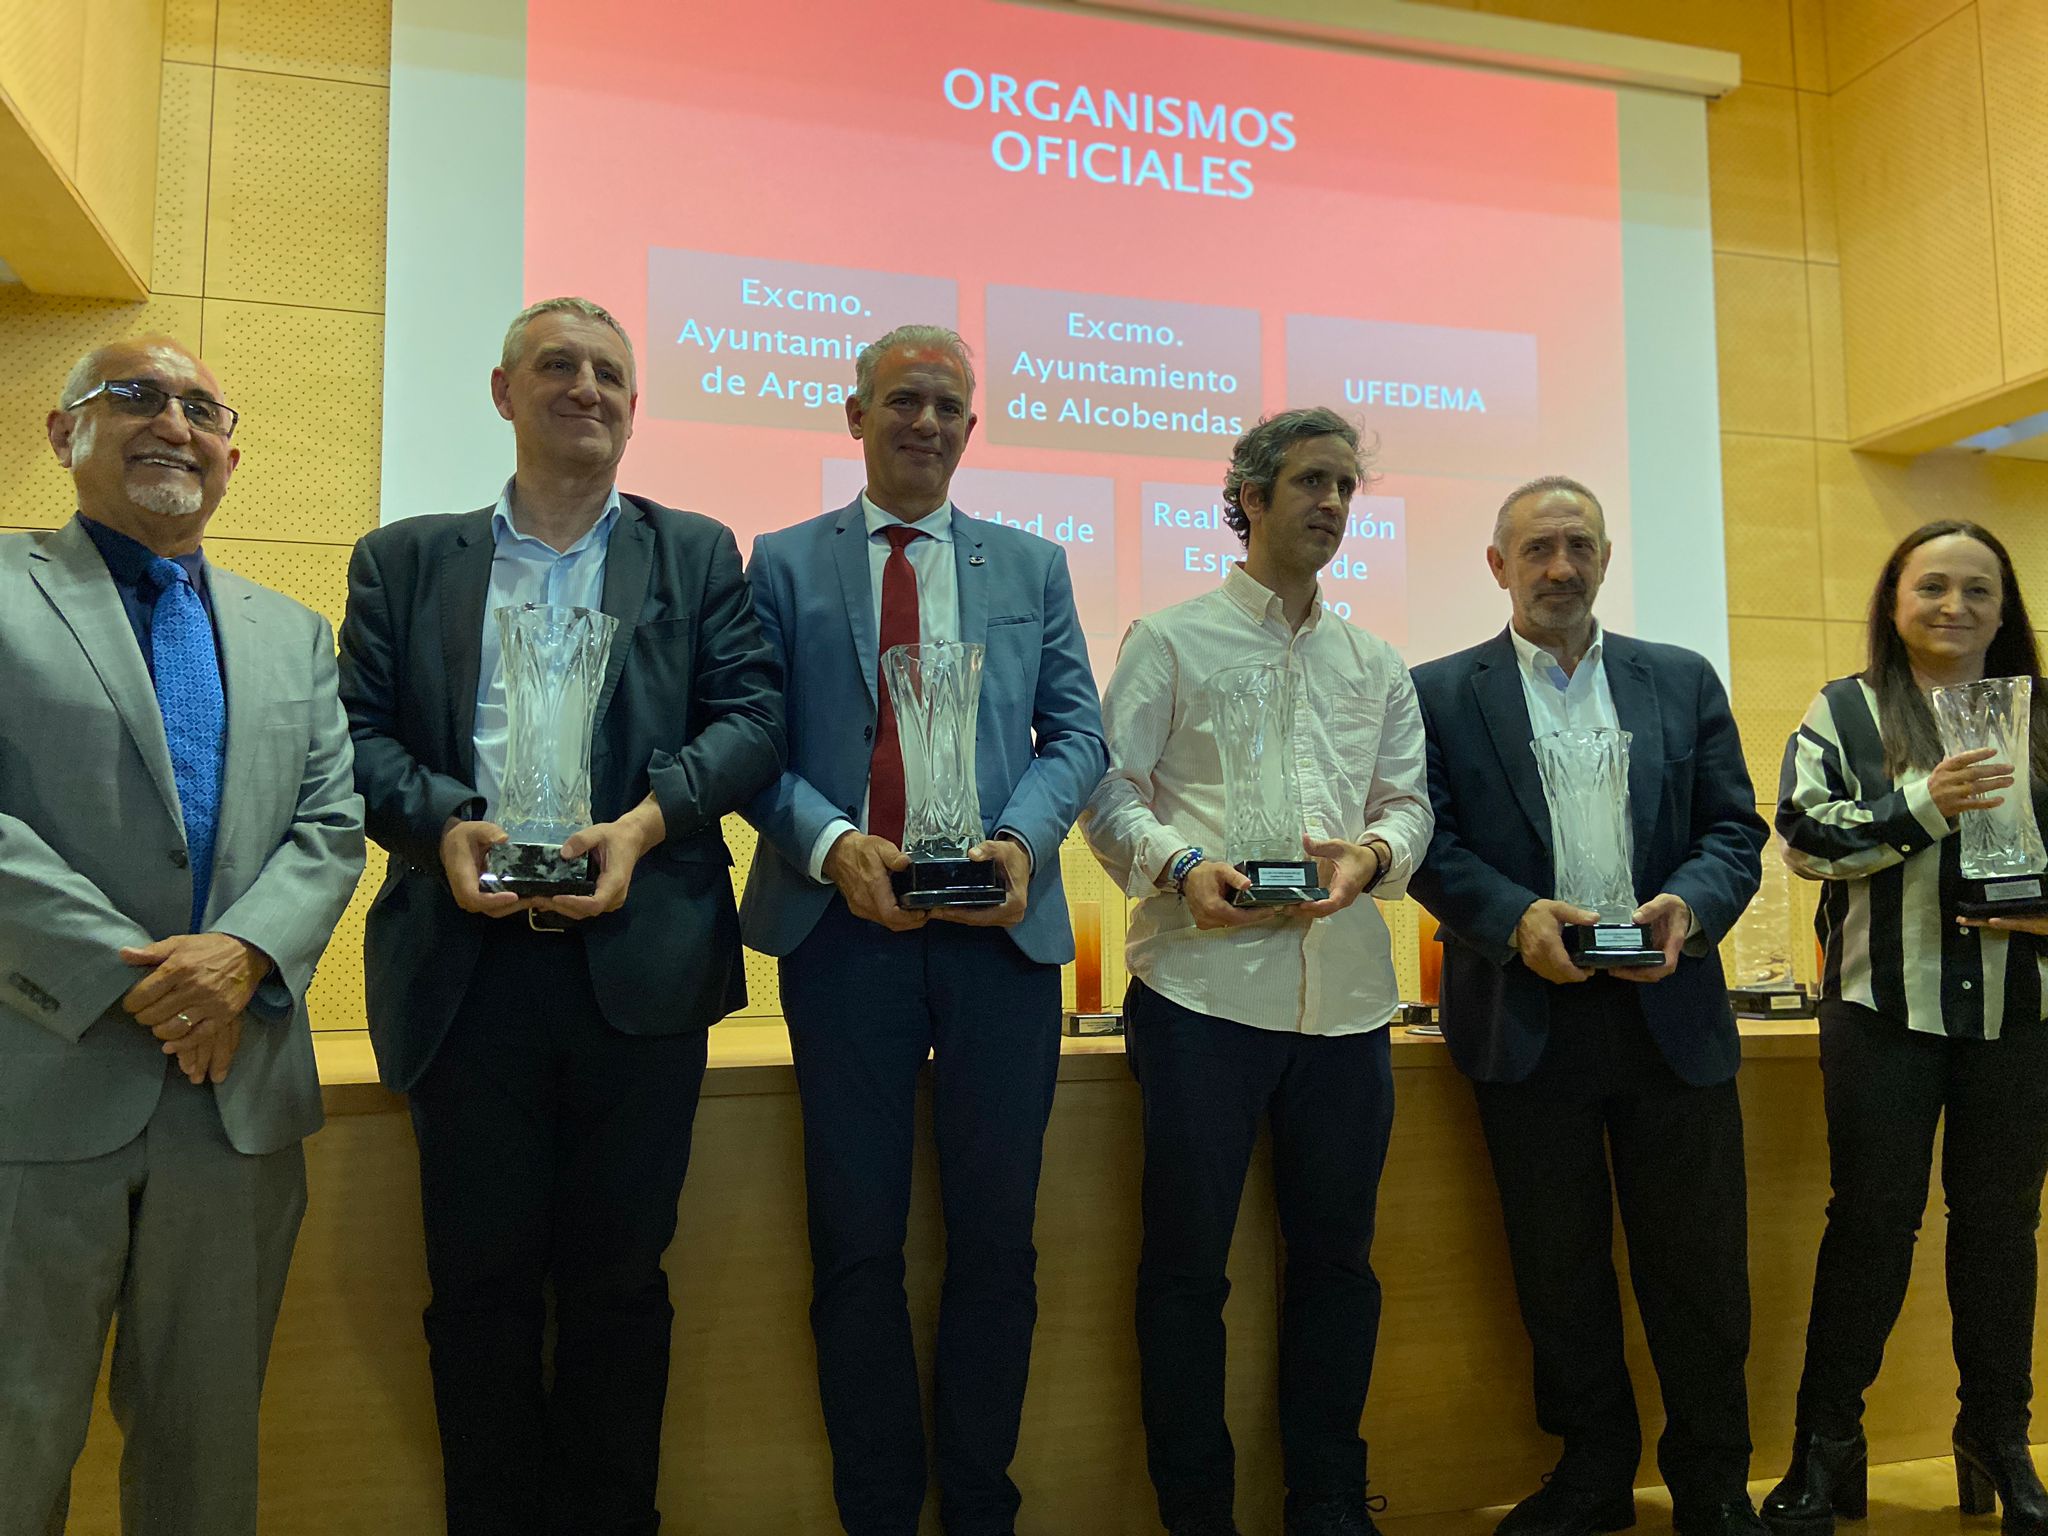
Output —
(528, 570)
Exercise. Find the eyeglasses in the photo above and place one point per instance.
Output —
(140, 398)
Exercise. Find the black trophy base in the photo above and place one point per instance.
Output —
(948, 883)
(536, 869)
(1773, 1003)
(1418, 1018)
(2006, 896)
(1278, 882)
(1085, 1025)
(1604, 946)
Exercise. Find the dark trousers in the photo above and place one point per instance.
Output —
(552, 1147)
(1886, 1087)
(1206, 1084)
(865, 1008)
(1603, 1093)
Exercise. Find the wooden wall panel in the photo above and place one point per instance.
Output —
(1765, 346)
(1919, 285)
(1863, 33)
(2015, 46)
(327, 39)
(184, 145)
(1753, 149)
(1759, 30)
(1772, 526)
(1779, 665)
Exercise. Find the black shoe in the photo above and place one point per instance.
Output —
(1732, 1517)
(1827, 1478)
(1343, 1515)
(2000, 1474)
(1218, 1523)
(1559, 1509)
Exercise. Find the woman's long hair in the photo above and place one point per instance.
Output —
(1911, 740)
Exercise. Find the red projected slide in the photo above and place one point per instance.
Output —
(1150, 236)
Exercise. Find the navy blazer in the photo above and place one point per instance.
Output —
(691, 710)
(1038, 743)
(1697, 836)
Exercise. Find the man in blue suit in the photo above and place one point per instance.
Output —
(870, 989)
(1572, 1068)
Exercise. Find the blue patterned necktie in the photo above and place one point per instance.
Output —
(188, 692)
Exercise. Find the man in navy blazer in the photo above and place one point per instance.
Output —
(870, 989)
(553, 1047)
(1572, 1067)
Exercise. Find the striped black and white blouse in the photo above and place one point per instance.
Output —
(1893, 871)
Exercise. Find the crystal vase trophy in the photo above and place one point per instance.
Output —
(1253, 711)
(1761, 982)
(936, 691)
(553, 662)
(1585, 780)
(2004, 862)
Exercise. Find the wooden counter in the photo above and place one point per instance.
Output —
(349, 1441)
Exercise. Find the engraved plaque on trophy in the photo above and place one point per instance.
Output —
(2005, 866)
(552, 659)
(1253, 712)
(936, 691)
(1761, 983)
(1585, 781)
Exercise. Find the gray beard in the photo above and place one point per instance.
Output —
(168, 500)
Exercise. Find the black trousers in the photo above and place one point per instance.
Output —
(1886, 1087)
(552, 1148)
(1603, 1096)
(1206, 1085)
(865, 1008)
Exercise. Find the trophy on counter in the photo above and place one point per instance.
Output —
(2004, 862)
(1761, 983)
(553, 662)
(936, 691)
(1585, 780)
(1253, 711)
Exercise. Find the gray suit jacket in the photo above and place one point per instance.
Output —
(93, 857)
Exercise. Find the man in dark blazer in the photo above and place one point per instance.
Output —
(1573, 1067)
(869, 989)
(553, 1047)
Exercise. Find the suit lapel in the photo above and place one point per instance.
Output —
(971, 579)
(628, 563)
(1636, 708)
(245, 678)
(850, 557)
(74, 578)
(1502, 704)
(465, 586)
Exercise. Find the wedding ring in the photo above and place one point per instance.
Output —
(186, 1020)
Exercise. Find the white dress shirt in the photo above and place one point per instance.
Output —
(938, 613)
(528, 570)
(1358, 754)
(1556, 700)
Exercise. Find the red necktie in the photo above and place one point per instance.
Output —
(900, 626)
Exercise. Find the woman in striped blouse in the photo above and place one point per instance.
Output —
(1922, 1017)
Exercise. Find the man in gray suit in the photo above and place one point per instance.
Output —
(179, 833)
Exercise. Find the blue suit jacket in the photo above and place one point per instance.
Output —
(1039, 749)
(1697, 835)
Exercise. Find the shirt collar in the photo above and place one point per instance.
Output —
(934, 525)
(128, 559)
(1260, 602)
(504, 531)
(1541, 664)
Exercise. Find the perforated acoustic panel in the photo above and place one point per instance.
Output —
(1772, 526)
(1824, 324)
(309, 385)
(1753, 155)
(2015, 93)
(295, 214)
(336, 1000)
(1779, 665)
(1764, 346)
(1817, 176)
(188, 30)
(1862, 33)
(333, 39)
(184, 143)
(1913, 196)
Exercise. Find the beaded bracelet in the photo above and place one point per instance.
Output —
(1183, 863)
